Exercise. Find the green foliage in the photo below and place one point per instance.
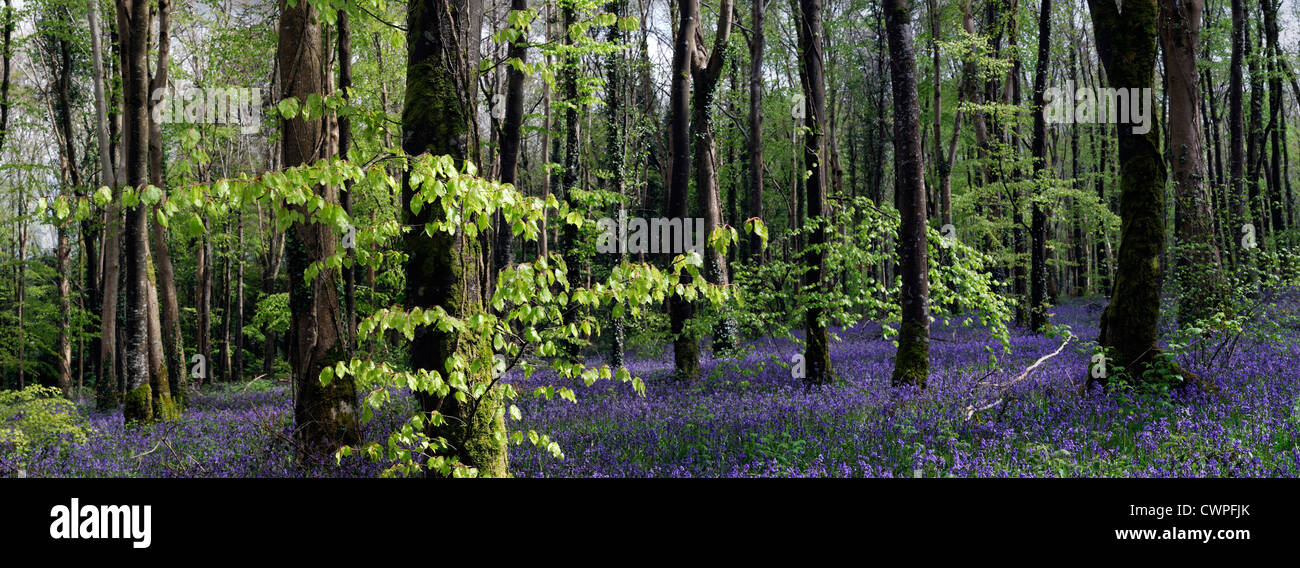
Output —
(860, 237)
(272, 314)
(36, 421)
(525, 318)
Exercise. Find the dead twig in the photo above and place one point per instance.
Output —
(1003, 388)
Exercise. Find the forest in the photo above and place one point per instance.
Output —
(649, 238)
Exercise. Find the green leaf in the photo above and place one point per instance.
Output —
(288, 108)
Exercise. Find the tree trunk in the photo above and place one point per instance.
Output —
(1080, 242)
(755, 143)
(706, 70)
(438, 119)
(817, 357)
(133, 18)
(1236, 134)
(6, 60)
(912, 363)
(324, 415)
(686, 349)
(70, 182)
(1126, 42)
(1198, 269)
(105, 298)
(169, 307)
(237, 320)
(226, 308)
(511, 136)
(571, 65)
(1275, 94)
(203, 305)
(543, 244)
(345, 197)
(616, 70)
(163, 406)
(936, 110)
(1038, 230)
(20, 292)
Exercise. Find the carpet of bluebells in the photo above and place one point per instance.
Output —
(748, 417)
(233, 433)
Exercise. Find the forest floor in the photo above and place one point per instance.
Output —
(749, 417)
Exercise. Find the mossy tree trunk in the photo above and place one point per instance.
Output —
(325, 416)
(912, 363)
(133, 17)
(616, 70)
(164, 407)
(1126, 42)
(571, 65)
(446, 270)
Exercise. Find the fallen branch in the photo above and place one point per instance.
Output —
(250, 383)
(1002, 388)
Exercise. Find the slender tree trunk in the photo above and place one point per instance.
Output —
(227, 306)
(511, 136)
(1236, 135)
(270, 274)
(1275, 94)
(1011, 135)
(686, 349)
(20, 292)
(1038, 229)
(345, 195)
(543, 245)
(203, 305)
(936, 111)
(70, 182)
(169, 306)
(706, 70)
(6, 60)
(1080, 242)
(105, 344)
(912, 363)
(616, 70)
(237, 320)
(754, 144)
(163, 406)
(324, 415)
(1254, 139)
(571, 66)
(817, 347)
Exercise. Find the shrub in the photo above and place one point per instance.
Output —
(35, 422)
